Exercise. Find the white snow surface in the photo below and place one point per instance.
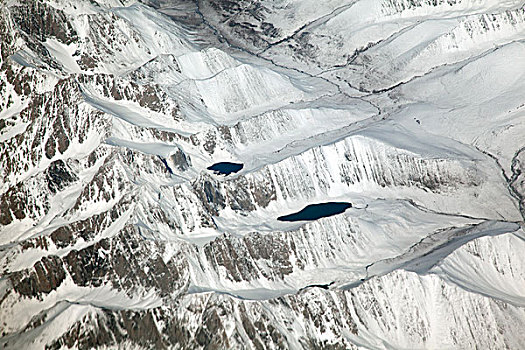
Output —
(412, 111)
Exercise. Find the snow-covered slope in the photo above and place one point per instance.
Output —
(114, 233)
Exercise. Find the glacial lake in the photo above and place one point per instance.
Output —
(317, 211)
(225, 168)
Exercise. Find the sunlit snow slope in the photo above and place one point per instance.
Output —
(114, 233)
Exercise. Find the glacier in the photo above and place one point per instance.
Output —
(114, 232)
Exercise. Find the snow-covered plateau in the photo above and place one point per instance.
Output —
(115, 234)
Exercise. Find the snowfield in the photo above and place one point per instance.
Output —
(115, 234)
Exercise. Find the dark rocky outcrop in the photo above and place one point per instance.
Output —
(239, 257)
(119, 261)
(40, 21)
(12, 205)
(181, 160)
(59, 176)
(45, 276)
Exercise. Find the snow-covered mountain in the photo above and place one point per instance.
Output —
(115, 234)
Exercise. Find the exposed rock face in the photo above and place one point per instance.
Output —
(240, 258)
(46, 276)
(59, 176)
(40, 21)
(113, 233)
(13, 205)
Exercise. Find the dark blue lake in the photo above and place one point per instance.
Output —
(317, 211)
(225, 168)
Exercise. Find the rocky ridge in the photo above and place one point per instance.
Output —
(114, 234)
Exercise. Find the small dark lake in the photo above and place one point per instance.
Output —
(317, 211)
(225, 168)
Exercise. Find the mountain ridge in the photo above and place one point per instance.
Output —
(113, 233)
